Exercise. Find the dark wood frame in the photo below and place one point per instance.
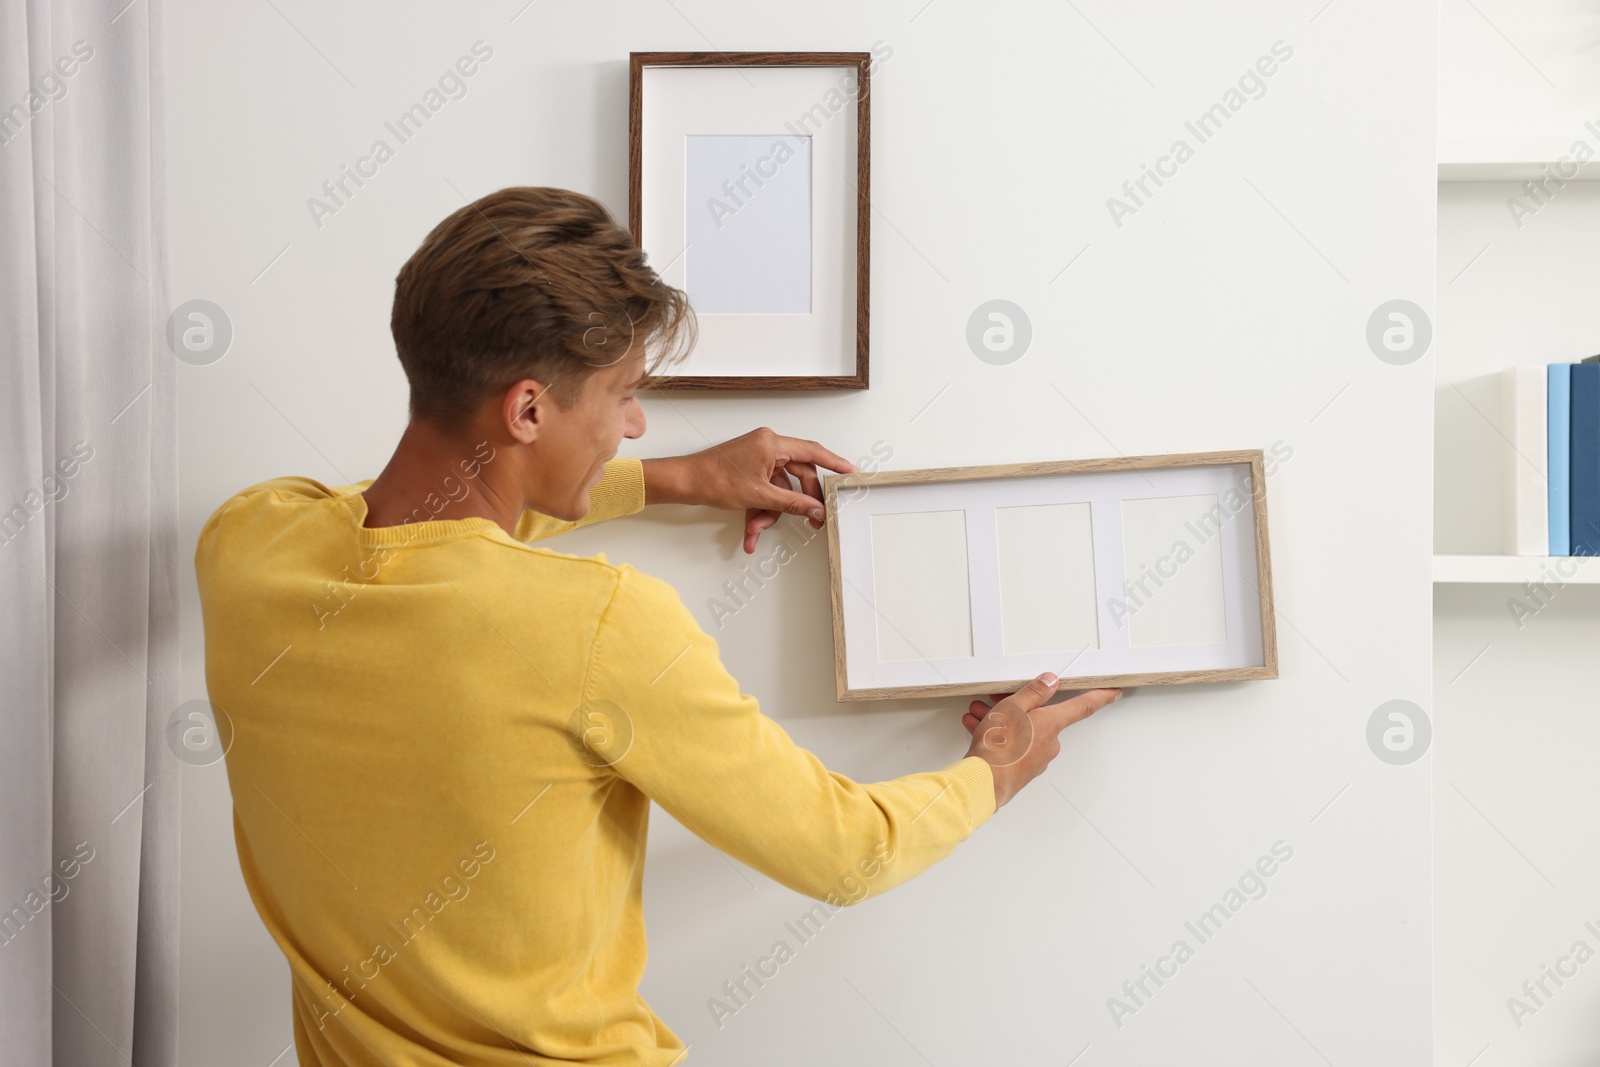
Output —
(637, 62)
(1269, 631)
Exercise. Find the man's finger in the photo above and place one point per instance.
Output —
(756, 520)
(780, 499)
(809, 483)
(1058, 717)
(795, 503)
(798, 448)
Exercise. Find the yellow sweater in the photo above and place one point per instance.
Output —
(444, 745)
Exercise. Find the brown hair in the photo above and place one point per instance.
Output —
(527, 282)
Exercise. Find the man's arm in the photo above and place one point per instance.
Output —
(620, 491)
(749, 474)
(663, 713)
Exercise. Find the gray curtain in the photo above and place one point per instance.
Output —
(88, 541)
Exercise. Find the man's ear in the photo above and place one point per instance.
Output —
(520, 410)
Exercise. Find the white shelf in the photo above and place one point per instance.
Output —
(1484, 159)
(1515, 570)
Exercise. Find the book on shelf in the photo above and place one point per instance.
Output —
(1551, 420)
(1525, 418)
(1584, 461)
(1558, 438)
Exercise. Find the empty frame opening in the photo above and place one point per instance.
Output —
(747, 212)
(1172, 554)
(920, 589)
(1047, 586)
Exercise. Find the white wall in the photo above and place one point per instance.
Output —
(1517, 68)
(1229, 312)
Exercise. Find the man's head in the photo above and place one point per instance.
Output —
(525, 319)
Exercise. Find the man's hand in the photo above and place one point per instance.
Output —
(749, 473)
(1017, 737)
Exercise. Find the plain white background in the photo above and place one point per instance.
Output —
(1228, 311)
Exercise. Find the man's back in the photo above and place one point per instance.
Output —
(444, 746)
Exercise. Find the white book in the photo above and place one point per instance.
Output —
(1525, 396)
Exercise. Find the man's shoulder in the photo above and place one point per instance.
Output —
(641, 601)
(635, 585)
(630, 589)
(287, 490)
(266, 504)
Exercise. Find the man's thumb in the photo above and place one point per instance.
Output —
(1036, 692)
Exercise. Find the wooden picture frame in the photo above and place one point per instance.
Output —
(826, 347)
(1108, 510)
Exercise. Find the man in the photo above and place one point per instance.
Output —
(445, 740)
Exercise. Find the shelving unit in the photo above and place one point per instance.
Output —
(1515, 159)
(1515, 676)
(1515, 570)
(1489, 159)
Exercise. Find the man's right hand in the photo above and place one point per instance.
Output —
(1018, 736)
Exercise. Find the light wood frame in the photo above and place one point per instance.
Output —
(832, 484)
(862, 61)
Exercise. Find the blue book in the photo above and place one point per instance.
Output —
(1584, 465)
(1560, 431)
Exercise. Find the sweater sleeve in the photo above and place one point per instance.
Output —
(619, 492)
(676, 726)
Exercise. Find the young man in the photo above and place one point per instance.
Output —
(445, 741)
